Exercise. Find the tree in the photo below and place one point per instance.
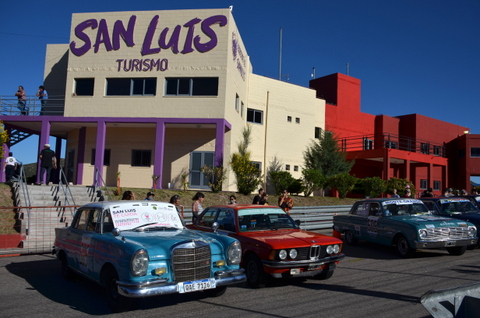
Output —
(246, 173)
(281, 180)
(373, 187)
(400, 185)
(3, 139)
(343, 182)
(325, 155)
(215, 177)
(312, 180)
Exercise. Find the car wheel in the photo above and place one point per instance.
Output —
(403, 248)
(67, 272)
(350, 239)
(216, 292)
(254, 271)
(326, 273)
(116, 302)
(457, 250)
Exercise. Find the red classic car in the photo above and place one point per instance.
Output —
(272, 243)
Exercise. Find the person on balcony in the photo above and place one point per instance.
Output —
(42, 96)
(22, 100)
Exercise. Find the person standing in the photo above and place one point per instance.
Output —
(128, 195)
(11, 165)
(232, 199)
(258, 197)
(42, 96)
(197, 208)
(395, 194)
(22, 100)
(175, 200)
(264, 200)
(47, 162)
(149, 196)
(285, 202)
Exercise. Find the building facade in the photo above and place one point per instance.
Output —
(152, 96)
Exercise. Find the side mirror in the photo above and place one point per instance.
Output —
(116, 231)
(215, 227)
(297, 222)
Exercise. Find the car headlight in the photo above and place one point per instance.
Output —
(472, 231)
(282, 254)
(333, 249)
(139, 263)
(422, 234)
(234, 253)
(293, 253)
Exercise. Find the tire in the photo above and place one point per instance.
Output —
(254, 271)
(457, 250)
(67, 272)
(116, 302)
(403, 248)
(350, 238)
(216, 292)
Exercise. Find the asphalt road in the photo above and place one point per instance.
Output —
(370, 282)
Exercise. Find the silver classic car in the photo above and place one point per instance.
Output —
(141, 248)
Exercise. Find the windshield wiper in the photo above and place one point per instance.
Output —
(140, 228)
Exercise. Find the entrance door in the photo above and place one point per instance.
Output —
(197, 160)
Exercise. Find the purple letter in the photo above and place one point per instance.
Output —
(91, 23)
(205, 47)
(188, 40)
(127, 35)
(173, 43)
(148, 38)
(102, 36)
(119, 61)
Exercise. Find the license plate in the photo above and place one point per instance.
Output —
(197, 285)
(450, 243)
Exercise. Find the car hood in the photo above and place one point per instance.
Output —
(291, 238)
(438, 221)
(158, 243)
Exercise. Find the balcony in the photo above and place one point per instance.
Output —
(33, 106)
(371, 142)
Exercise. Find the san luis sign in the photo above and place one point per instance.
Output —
(197, 35)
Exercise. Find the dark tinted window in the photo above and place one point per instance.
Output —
(84, 86)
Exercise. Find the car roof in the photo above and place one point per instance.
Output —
(108, 204)
(443, 197)
(386, 199)
(245, 206)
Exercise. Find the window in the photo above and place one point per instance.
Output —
(242, 106)
(131, 86)
(141, 158)
(474, 152)
(257, 165)
(297, 120)
(391, 144)
(237, 103)
(196, 86)
(425, 148)
(295, 168)
(197, 161)
(318, 132)
(423, 184)
(84, 86)
(436, 185)
(106, 157)
(254, 116)
(437, 151)
(289, 119)
(367, 144)
(287, 167)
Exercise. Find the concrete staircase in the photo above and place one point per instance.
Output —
(51, 206)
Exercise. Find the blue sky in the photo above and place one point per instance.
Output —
(411, 56)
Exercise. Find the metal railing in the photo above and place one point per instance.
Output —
(69, 199)
(32, 106)
(390, 141)
(100, 190)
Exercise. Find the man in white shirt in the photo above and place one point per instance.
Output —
(11, 165)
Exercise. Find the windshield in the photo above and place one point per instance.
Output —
(457, 206)
(138, 216)
(250, 220)
(404, 207)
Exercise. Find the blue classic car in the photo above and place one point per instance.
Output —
(455, 207)
(406, 224)
(141, 248)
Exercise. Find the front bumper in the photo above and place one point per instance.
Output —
(445, 243)
(162, 287)
(303, 263)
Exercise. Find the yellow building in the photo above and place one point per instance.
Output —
(163, 93)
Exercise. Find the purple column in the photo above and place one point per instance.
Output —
(81, 155)
(99, 152)
(159, 153)
(219, 142)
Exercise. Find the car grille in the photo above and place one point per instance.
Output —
(447, 233)
(191, 261)
(312, 252)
